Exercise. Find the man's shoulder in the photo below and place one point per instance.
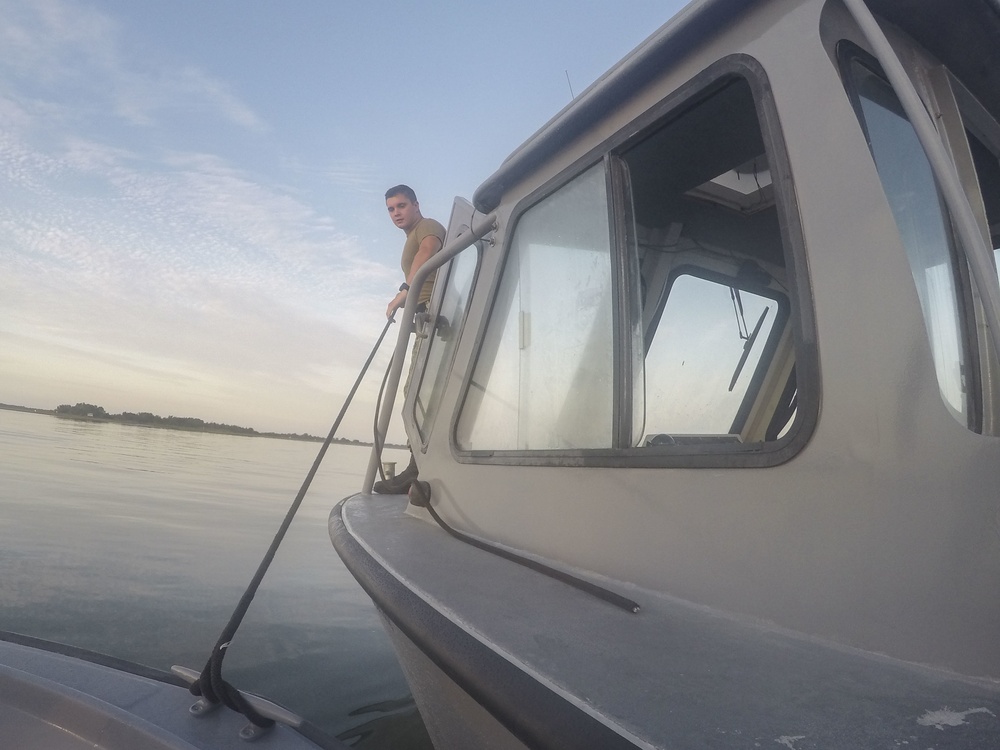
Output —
(427, 227)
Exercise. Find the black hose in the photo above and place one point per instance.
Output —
(611, 597)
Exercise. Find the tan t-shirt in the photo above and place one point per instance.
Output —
(424, 228)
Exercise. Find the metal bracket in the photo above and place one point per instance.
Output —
(202, 708)
(263, 706)
(252, 732)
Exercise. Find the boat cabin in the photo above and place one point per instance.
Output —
(723, 336)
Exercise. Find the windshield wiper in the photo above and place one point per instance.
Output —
(747, 346)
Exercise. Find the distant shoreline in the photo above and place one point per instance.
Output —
(164, 424)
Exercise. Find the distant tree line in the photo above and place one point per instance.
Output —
(92, 411)
(98, 413)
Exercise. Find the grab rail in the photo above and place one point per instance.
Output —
(479, 230)
(977, 252)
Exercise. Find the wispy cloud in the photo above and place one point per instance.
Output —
(49, 40)
(134, 265)
(107, 219)
(140, 97)
(56, 47)
(355, 175)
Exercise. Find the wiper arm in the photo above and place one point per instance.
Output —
(747, 346)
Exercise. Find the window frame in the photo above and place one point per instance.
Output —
(525, 206)
(848, 53)
(976, 121)
(801, 318)
(769, 345)
(425, 427)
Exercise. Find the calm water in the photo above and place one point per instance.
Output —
(138, 543)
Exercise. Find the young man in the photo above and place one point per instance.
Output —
(424, 237)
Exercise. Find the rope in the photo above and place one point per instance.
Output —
(210, 685)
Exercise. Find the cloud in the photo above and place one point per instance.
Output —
(182, 232)
(61, 50)
(141, 274)
(355, 175)
(139, 97)
(47, 40)
(191, 279)
(182, 284)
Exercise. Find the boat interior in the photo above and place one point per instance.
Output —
(707, 242)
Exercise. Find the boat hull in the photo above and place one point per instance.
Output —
(499, 655)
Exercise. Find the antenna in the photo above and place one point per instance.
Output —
(571, 94)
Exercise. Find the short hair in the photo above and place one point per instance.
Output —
(404, 190)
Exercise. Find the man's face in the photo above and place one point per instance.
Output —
(404, 213)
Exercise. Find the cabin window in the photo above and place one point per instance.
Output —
(706, 346)
(461, 275)
(718, 359)
(645, 313)
(924, 229)
(543, 379)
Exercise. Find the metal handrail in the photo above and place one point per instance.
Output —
(978, 254)
(479, 229)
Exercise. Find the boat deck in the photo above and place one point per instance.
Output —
(528, 647)
(54, 701)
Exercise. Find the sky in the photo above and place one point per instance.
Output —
(192, 219)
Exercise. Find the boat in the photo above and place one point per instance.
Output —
(706, 407)
(58, 697)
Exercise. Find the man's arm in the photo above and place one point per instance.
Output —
(428, 246)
